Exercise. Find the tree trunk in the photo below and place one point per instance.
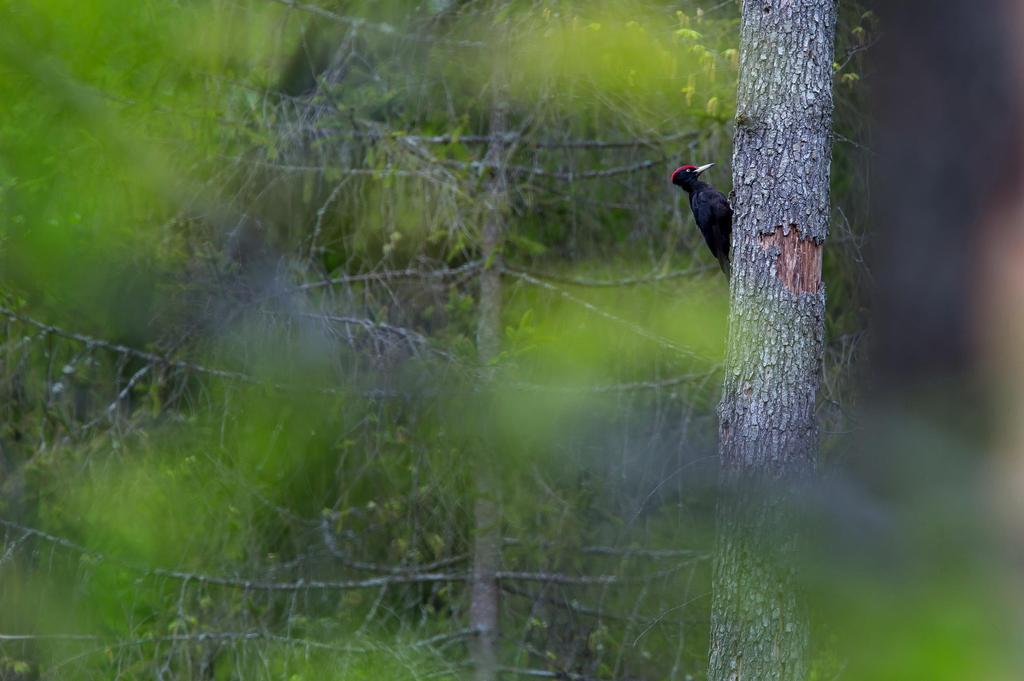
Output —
(483, 612)
(768, 433)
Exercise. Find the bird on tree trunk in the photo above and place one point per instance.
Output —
(711, 211)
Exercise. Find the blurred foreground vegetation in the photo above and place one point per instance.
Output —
(241, 401)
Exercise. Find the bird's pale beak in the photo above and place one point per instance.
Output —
(700, 170)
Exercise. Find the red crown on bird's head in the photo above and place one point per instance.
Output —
(681, 169)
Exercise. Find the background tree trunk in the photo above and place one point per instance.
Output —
(768, 433)
(483, 612)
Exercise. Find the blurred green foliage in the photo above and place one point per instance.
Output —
(220, 458)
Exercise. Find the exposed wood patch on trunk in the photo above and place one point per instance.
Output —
(798, 265)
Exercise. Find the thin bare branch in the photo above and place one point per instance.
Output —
(253, 584)
(523, 142)
(150, 357)
(616, 283)
(376, 26)
(569, 176)
(635, 328)
(394, 275)
(546, 674)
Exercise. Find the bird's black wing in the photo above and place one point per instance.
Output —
(713, 214)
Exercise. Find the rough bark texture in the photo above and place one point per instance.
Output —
(488, 332)
(768, 434)
(483, 612)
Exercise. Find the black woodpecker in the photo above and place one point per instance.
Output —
(711, 211)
